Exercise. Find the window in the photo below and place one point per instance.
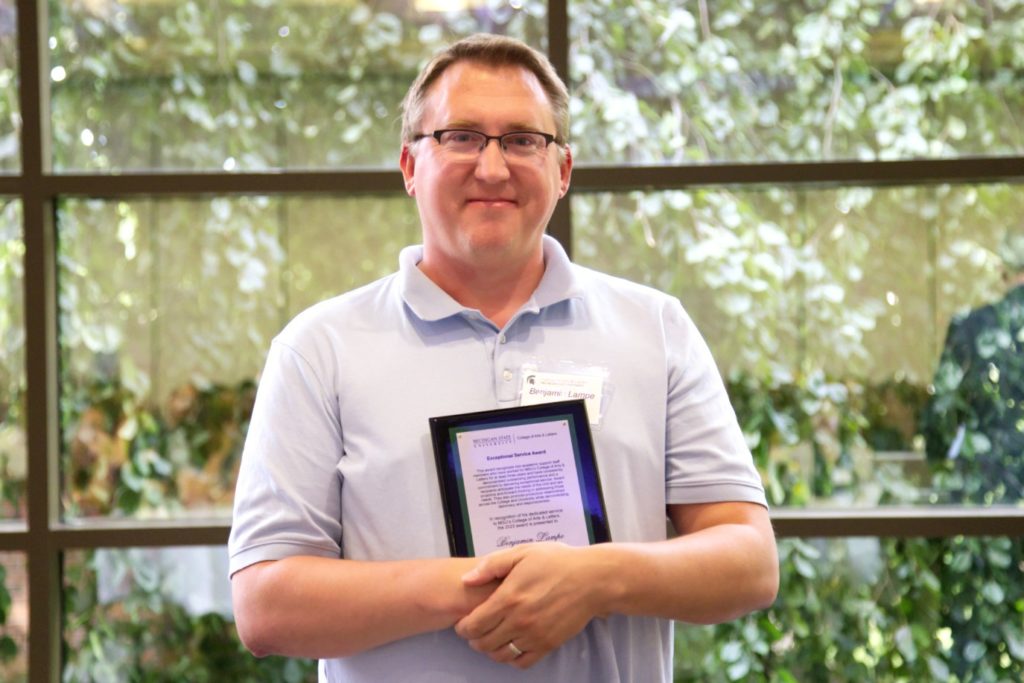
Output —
(165, 614)
(243, 86)
(835, 303)
(794, 81)
(824, 185)
(168, 307)
(849, 611)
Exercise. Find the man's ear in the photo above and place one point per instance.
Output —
(565, 171)
(407, 162)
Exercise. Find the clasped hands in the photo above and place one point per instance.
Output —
(548, 593)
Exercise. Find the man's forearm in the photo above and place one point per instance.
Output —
(709, 575)
(318, 607)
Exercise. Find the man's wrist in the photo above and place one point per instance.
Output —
(444, 595)
(605, 577)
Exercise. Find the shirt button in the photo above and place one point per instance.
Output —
(507, 375)
(501, 339)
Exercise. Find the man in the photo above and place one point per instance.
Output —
(339, 549)
(976, 415)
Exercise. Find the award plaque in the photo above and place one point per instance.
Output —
(518, 475)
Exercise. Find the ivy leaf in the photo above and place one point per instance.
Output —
(998, 557)
(5, 601)
(8, 649)
(1014, 637)
(804, 568)
(993, 592)
(905, 643)
(739, 670)
(974, 651)
(961, 562)
(784, 676)
(246, 72)
(131, 477)
(938, 669)
(732, 651)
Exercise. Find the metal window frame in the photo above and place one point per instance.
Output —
(43, 537)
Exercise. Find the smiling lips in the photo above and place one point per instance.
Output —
(492, 202)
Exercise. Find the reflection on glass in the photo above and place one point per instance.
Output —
(167, 308)
(13, 618)
(10, 108)
(826, 311)
(158, 614)
(664, 81)
(12, 362)
(869, 609)
(248, 85)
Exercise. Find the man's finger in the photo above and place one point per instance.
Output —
(492, 567)
(478, 623)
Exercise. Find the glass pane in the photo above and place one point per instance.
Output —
(868, 609)
(12, 362)
(248, 84)
(13, 618)
(158, 614)
(167, 309)
(662, 81)
(10, 107)
(827, 312)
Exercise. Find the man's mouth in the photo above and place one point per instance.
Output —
(491, 201)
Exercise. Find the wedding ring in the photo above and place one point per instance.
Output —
(516, 652)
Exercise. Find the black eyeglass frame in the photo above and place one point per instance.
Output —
(548, 137)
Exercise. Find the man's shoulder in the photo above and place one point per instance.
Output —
(353, 309)
(633, 302)
(597, 283)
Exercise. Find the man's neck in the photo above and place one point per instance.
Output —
(497, 291)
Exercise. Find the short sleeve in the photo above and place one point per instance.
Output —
(288, 496)
(707, 458)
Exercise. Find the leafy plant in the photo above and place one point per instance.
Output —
(146, 637)
(875, 609)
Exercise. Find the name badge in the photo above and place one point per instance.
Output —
(546, 387)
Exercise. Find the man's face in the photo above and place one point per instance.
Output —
(491, 208)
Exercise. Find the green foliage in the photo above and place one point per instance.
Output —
(9, 105)
(878, 610)
(974, 422)
(8, 646)
(245, 85)
(662, 81)
(12, 375)
(124, 458)
(145, 637)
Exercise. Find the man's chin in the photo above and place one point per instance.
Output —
(499, 244)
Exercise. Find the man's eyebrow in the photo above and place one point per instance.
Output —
(475, 125)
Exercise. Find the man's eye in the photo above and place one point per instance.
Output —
(520, 141)
(462, 138)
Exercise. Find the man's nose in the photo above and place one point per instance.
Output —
(491, 166)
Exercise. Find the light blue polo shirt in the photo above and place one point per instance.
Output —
(338, 460)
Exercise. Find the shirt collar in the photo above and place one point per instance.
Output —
(429, 302)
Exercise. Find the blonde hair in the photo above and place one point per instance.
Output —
(494, 51)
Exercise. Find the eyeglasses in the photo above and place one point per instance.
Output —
(468, 144)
